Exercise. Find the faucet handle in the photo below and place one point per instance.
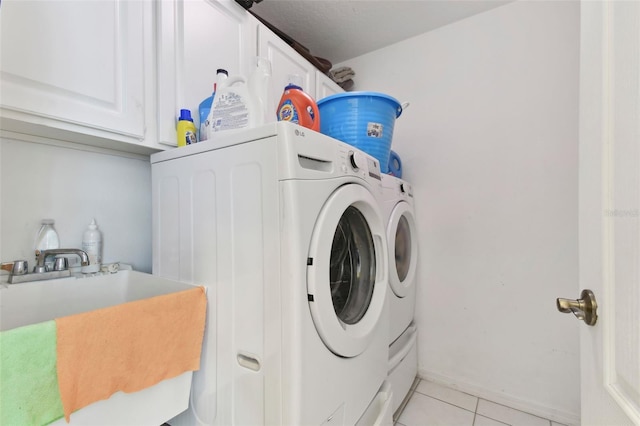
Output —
(17, 267)
(61, 264)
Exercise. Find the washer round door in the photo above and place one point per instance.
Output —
(347, 270)
(403, 249)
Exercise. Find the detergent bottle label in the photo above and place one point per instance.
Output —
(230, 111)
(288, 112)
(190, 137)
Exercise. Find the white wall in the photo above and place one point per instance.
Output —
(73, 185)
(490, 143)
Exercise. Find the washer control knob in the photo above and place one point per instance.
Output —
(402, 188)
(352, 160)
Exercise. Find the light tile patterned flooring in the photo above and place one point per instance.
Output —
(431, 404)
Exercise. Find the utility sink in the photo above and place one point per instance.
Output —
(39, 301)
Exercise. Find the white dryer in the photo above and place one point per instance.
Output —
(398, 207)
(283, 227)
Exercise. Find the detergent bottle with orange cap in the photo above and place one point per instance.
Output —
(298, 107)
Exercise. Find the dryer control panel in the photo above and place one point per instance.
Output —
(405, 189)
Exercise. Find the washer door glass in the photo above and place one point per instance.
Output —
(403, 248)
(352, 270)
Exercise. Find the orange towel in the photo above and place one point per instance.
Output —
(128, 347)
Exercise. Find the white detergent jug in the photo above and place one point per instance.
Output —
(240, 103)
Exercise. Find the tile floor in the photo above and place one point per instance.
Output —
(431, 404)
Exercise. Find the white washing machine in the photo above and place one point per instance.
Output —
(283, 227)
(402, 237)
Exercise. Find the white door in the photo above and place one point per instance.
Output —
(609, 210)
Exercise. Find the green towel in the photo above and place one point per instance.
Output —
(29, 393)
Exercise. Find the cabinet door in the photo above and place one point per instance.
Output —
(285, 62)
(73, 62)
(325, 86)
(195, 38)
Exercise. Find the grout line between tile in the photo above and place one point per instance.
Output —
(438, 399)
(414, 389)
(475, 412)
(453, 388)
(495, 420)
(487, 416)
(511, 408)
(447, 402)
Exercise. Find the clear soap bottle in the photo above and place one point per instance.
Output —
(47, 239)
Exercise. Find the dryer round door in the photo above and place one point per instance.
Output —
(347, 271)
(403, 249)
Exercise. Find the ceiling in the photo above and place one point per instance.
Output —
(343, 29)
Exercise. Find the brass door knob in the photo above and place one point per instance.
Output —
(584, 308)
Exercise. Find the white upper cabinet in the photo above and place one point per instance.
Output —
(115, 73)
(195, 38)
(74, 65)
(285, 62)
(325, 86)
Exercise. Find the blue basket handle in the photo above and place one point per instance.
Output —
(401, 108)
(395, 164)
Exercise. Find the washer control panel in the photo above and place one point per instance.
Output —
(355, 162)
(374, 168)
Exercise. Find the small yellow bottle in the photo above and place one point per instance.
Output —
(186, 129)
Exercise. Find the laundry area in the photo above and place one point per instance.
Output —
(276, 212)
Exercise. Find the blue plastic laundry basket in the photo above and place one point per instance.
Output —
(362, 119)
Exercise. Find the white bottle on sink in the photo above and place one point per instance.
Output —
(92, 245)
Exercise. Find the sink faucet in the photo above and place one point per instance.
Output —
(19, 272)
(42, 255)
